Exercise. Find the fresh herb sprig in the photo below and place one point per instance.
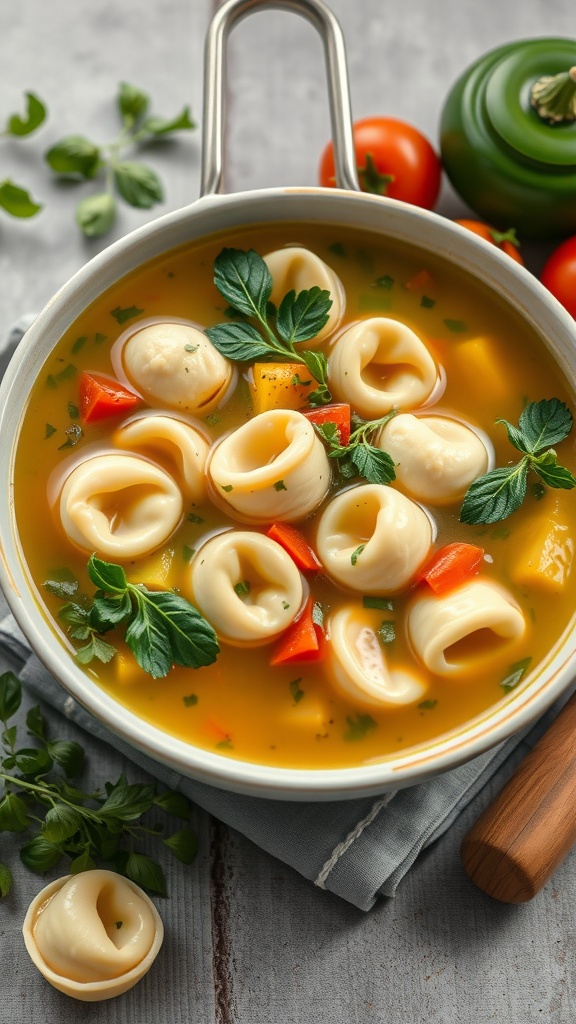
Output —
(359, 457)
(162, 628)
(498, 493)
(37, 796)
(79, 159)
(243, 279)
(14, 199)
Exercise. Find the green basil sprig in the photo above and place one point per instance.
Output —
(243, 279)
(498, 493)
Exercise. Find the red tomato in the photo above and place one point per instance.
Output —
(394, 159)
(559, 274)
(504, 240)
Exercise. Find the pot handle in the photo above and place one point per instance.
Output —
(316, 12)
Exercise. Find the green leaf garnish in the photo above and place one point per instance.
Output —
(139, 185)
(183, 845)
(358, 726)
(500, 492)
(95, 215)
(296, 691)
(122, 315)
(356, 554)
(381, 603)
(359, 457)
(16, 200)
(34, 116)
(515, 673)
(243, 279)
(386, 632)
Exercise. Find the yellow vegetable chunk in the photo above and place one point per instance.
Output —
(481, 364)
(546, 552)
(281, 386)
(156, 570)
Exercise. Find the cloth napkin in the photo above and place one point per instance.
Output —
(359, 849)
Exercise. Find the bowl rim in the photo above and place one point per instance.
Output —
(211, 215)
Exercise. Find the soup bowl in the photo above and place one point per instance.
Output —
(420, 232)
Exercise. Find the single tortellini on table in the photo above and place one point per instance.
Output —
(436, 457)
(272, 467)
(296, 268)
(93, 935)
(465, 628)
(357, 663)
(175, 365)
(247, 586)
(121, 506)
(171, 441)
(373, 539)
(380, 364)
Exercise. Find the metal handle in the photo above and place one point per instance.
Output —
(330, 32)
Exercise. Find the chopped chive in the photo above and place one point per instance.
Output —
(383, 604)
(356, 554)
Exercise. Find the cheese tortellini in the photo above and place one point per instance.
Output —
(165, 437)
(436, 457)
(120, 506)
(455, 632)
(373, 539)
(246, 586)
(358, 663)
(176, 366)
(299, 269)
(380, 364)
(272, 467)
(93, 935)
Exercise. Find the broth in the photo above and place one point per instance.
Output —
(492, 365)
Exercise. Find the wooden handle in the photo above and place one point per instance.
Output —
(525, 833)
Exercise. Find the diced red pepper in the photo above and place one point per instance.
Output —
(100, 397)
(452, 565)
(422, 282)
(302, 641)
(338, 413)
(295, 545)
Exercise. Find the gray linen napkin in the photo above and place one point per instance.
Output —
(359, 849)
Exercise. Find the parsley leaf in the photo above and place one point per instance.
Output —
(359, 457)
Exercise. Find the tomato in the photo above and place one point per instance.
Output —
(559, 274)
(393, 159)
(505, 240)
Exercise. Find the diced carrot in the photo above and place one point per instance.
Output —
(295, 545)
(101, 397)
(302, 641)
(337, 413)
(451, 566)
(281, 386)
(421, 282)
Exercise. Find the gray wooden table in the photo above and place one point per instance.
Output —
(248, 941)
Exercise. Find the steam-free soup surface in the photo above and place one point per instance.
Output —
(294, 715)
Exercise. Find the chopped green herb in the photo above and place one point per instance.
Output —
(427, 705)
(359, 457)
(381, 603)
(295, 690)
(225, 744)
(74, 434)
(515, 673)
(227, 487)
(190, 700)
(356, 554)
(280, 486)
(427, 303)
(538, 491)
(188, 553)
(318, 614)
(73, 411)
(498, 493)
(79, 343)
(385, 282)
(212, 419)
(337, 249)
(242, 588)
(358, 726)
(49, 430)
(191, 348)
(193, 518)
(99, 338)
(387, 631)
(456, 326)
(122, 316)
(119, 924)
(285, 605)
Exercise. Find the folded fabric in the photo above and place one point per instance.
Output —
(359, 849)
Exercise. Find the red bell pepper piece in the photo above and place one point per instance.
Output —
(337, 413)
(302, 641)
(100, 397)
(295, 545)
(452, 565)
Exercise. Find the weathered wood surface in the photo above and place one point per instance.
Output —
(248, 941)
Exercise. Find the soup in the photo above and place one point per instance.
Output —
(313, 563)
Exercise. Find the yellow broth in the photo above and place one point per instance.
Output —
(294, 716)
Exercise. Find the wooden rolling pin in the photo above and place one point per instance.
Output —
(528, 829)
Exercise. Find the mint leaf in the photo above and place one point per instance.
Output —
(167, 629)
(96, 214)
(13, 814)
(16, 200)
(496, 495)
(69, 755)
(172, 803)
(34, 116)
(132, 103)
(74, 155)
(107, 576)
(244, 280)
(40, 855)
(240, 342)
(145, 872)
(139, 185)
(10, 695)
(551, 473)
(183, 844)
(373, 464)
(545, 423)
(126, 801)
(516, 437)
(163, 126)
(61, 823)
(301, 317)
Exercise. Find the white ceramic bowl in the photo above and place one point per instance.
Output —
(415, 227)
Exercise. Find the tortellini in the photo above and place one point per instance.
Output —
(358, 663)
(296, 268)
(272, 467)
(454, 633)
(176, 366)
(165, 437)
(373, 539)
(436, 458)
(120, 506)
(93, 935)
(380, 364)
(246, 586)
